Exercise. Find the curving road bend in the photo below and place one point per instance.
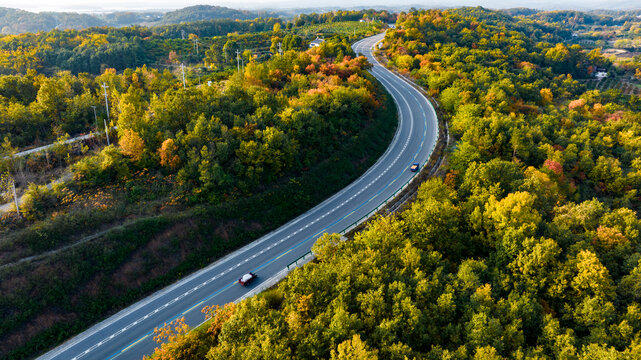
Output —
(129, 333)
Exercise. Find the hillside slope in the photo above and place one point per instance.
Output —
(15, 21)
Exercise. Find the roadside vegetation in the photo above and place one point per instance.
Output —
(192, 173)
(529, 247)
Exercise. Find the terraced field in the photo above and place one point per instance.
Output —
(628, 86)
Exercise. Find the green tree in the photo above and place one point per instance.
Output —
(355, 349)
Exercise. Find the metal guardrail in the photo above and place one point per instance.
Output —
(371, 212)
(302, 257)
(387, 200)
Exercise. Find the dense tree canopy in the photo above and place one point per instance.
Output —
(530, 247)
(274, 117)
(49, 81)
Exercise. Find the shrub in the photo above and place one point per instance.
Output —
(107, 166)
(38, 200)
(576, 104)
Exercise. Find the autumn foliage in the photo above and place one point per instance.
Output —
(132, 144)
(578, 103)
(168, 154)
(529, 249)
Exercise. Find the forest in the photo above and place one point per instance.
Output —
(16, 21)
(528, 248)
(49, 90)
(209, 12)
(196, 168)
(96, 49)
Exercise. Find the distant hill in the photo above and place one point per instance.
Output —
(15, 21)
(489, 16)
(127, 18)
(572, 18)
(208, 12)
(520, 11)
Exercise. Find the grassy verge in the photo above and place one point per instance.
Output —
(45, 302)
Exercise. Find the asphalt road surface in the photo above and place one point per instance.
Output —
(129, 333)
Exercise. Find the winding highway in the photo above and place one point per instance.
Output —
(129, 333)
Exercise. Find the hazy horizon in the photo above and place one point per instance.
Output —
(121, 5)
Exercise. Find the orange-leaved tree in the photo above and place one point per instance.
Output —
(168, 156)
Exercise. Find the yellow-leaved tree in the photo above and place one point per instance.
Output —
(355, 349)
(132, 144)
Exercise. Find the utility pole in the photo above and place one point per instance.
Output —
(182, 68)
(280, 48)
(106, 131)
(104, 88)
(196, 45)
(238, 59)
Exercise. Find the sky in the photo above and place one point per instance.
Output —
(106, 5)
